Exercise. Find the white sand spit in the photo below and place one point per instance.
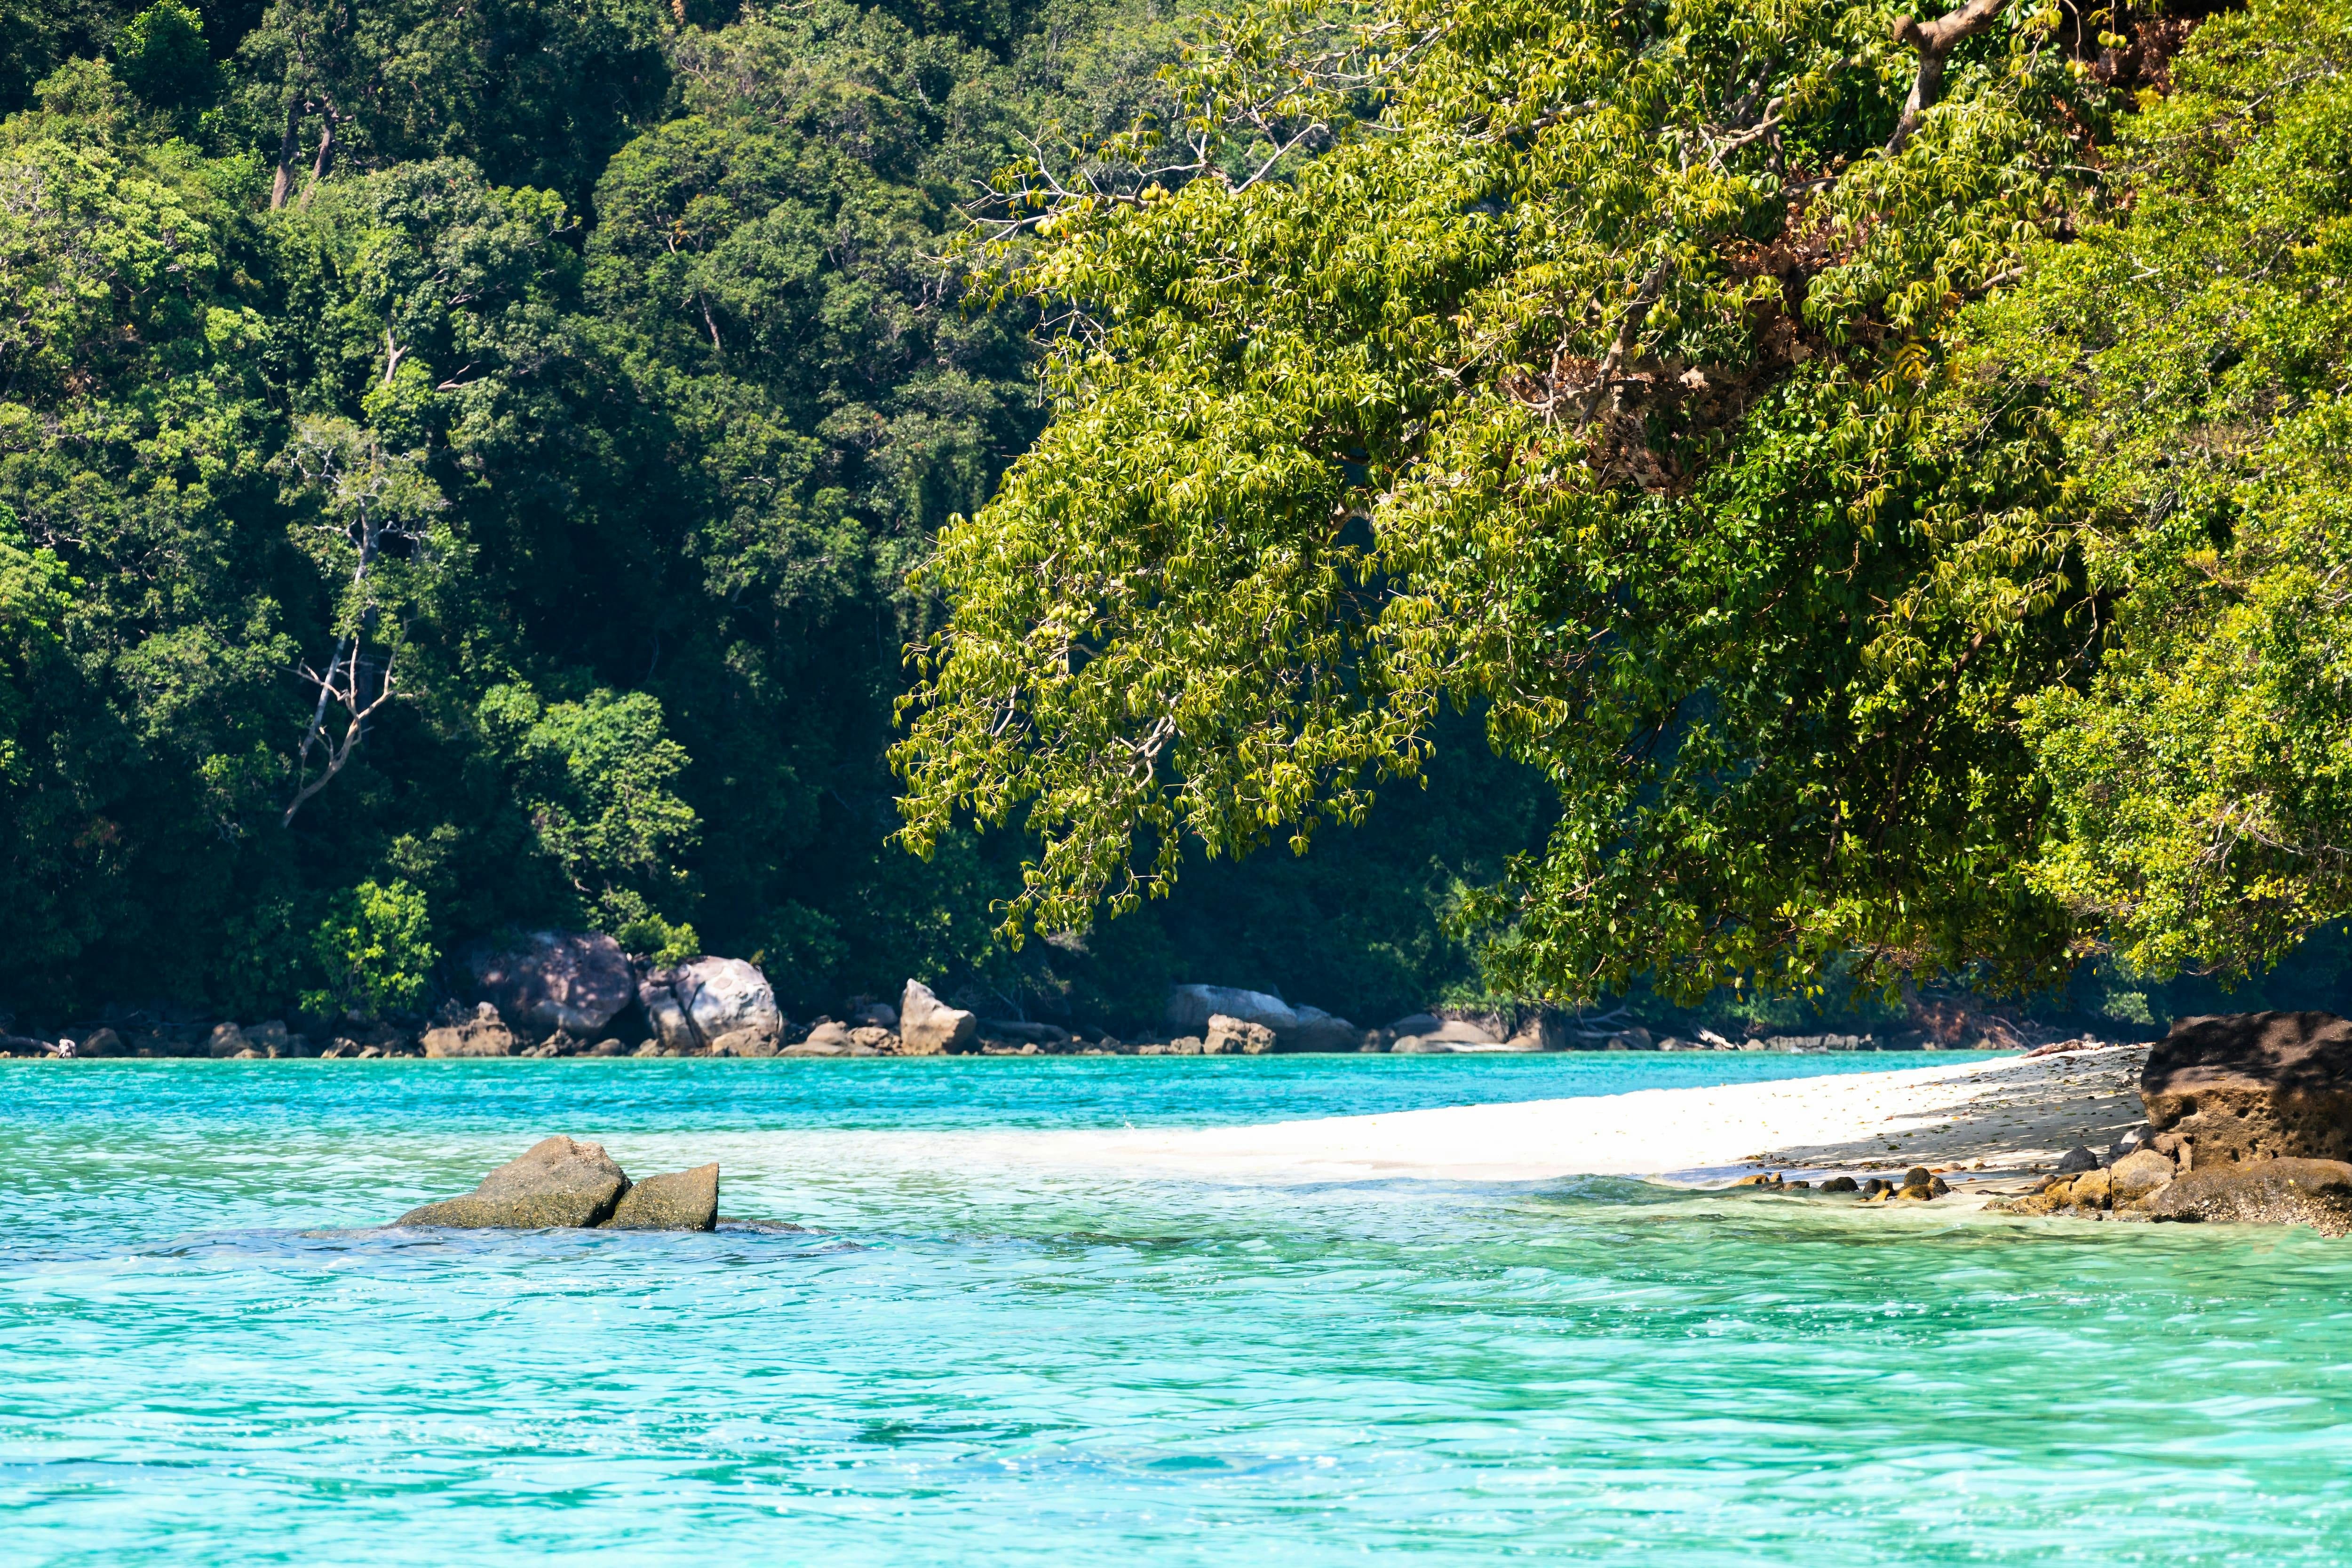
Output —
(2011, 1113)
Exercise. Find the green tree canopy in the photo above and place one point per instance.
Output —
(1582, 376)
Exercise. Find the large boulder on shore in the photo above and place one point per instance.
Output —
(730, 1004)
(722, 1006)
(1453, 1037)
(1191, 1009)
(558, 1182)
(2253, 1086)
(484, 1034)
(681, 1200)
(2317, 1192)
(927, 1025)
(577, 981)
(1236, 1037)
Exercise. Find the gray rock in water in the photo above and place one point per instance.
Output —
(2077, 1159)
(681, 1200)
(558, 1182)
(2317, 1192)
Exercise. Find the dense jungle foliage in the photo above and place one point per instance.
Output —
(465, 468)
(459, 466)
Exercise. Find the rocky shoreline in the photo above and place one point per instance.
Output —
(2249, 1121)
(557, 994)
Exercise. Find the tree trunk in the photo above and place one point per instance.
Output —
(326, 158)
(285, 181)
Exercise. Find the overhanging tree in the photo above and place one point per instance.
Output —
(1585, 376)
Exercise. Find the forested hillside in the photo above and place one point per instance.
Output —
(458, 469)
(465, 468)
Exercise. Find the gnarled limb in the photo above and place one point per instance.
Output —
(1935, 41)
(339, 686)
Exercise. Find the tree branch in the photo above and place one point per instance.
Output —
(1935, 41)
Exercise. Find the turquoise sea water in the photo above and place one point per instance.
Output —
(207, 1356)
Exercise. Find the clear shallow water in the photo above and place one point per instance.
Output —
(204, 1363)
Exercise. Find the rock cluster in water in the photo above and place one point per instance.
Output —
(562, 1182)
(1919, 1185)
(2161, 1182)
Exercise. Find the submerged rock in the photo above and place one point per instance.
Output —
(681, 1200)
(1840, 1184)
(2252, 1086)
(557, 1182)
(2317, 1192)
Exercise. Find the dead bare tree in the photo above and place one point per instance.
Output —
(370, 499)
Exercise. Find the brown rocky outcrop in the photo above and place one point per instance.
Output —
(829, 1039)
(681, 1200)
(557, 1182)
(2317, 1192)
(483, 1034)
(1234, 1037)
(2253, 1086)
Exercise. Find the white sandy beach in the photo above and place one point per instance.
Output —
(2009, 1115)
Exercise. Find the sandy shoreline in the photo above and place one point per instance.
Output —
(2009, 1115)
